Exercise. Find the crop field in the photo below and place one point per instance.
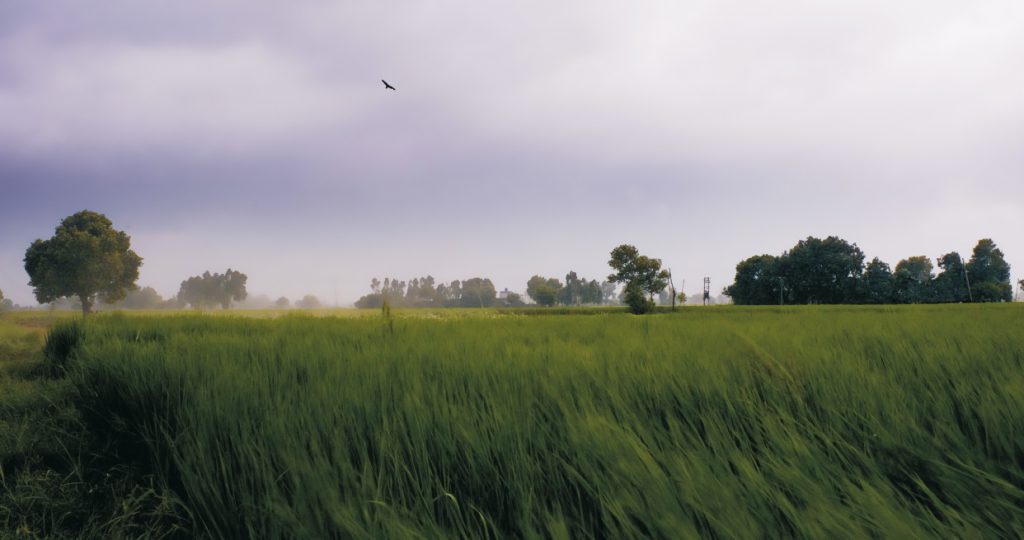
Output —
(824, 422)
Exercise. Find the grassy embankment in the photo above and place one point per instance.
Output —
(817, 421)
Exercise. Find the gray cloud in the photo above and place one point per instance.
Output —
(524, 138)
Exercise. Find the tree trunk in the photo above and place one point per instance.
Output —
(86, 304)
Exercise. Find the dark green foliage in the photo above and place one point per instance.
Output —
(913, 279)
(210, 290)
(989, 273)
(877, 285)
(61, 343)
(820, 271)
(85, 258)
(641, 274)
(637, 299)
(831, 271)
(951, 283)
(758, 281)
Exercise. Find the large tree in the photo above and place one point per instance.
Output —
(913, 278)
(86, 258)
(642, 275)
(989, 273)
(757, 281)
(877, 284)
(478, 292)
(822, 271)
(950, 285)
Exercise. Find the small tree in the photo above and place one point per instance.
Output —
(308, 302)
(86, 258)
(543, 291)
(282, 303)
(642, 275)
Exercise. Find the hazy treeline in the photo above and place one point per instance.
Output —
(832, 271)
(426, 292)
(575, 291)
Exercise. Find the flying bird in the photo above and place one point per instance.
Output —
(386, 85)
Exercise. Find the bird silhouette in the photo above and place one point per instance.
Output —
(386, 85)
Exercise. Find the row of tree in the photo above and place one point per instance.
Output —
(574, 292)
(425, 292)
(832, 271)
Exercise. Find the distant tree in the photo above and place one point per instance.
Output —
(609, 292)
(213, 289)
(913, 280)
(513, 300)
(989, 273)
(370, 301)
(5, 303)
(308, 302)
(478, 292)
(590, 293)
(756, 282)
(642, 276)
(877, 283)
(282, 303)
(950, 285)
(572, 290)
(145, 298)
(820, 271)
(544, 291)
(1021, 285)
(86, 258)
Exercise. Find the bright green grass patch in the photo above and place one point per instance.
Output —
(736, 423)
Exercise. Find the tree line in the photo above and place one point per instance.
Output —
(88, 260)
(832, 271)
(426, 292)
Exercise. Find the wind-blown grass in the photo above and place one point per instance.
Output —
(733, 423)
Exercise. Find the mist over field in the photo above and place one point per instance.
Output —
(521, 140)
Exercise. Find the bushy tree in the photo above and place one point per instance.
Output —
(757, 281)
(282, 303)
(86, 258)
(478, 292)
(5, 303)
(213, 289)
(913, 280)
(642, 276)
(989, 273)
(820, 271)
(544, 291)
(950, 285)
(877, 283)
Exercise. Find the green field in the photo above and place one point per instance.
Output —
(824, 422)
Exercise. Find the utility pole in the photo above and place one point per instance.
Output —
(963, 268)
(672, 288)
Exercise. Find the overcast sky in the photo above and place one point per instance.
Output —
(524, 137)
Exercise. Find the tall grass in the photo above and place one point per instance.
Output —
(731, 423)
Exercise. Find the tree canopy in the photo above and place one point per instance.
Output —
(86, 258)
(832, 271)
(210, 290)
(642, 275)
